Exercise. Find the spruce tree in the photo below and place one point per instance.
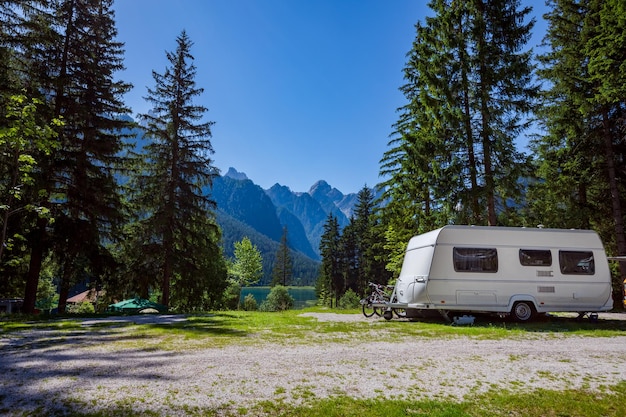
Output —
(350, 257)
(582, 113)
(368, 241)
(176, 224)
(91, 104)
(605, 45)
(67, 56)
(330, 283)
(452, 155)
(282, 271)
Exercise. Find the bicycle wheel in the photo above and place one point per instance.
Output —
(368, 310)
(380, 311)
(400, 312)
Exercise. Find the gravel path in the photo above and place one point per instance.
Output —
(35, 373)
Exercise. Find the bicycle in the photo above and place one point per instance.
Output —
(378, 296)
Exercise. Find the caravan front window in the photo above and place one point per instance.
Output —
(576, 262)
(475, 260)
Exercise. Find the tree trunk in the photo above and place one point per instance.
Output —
(34, 267)
(483, 96)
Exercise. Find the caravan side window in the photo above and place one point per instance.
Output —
(475, 260)
(576, 262)
(534, 257)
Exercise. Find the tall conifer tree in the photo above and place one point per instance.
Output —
(330, 282)
(452, 155)
(67, 55)
(178, 231)
(583, 114)
(282, 271)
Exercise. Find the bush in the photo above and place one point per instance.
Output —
(249, 303)
(277, 300)
(83, 308)
(349, 300)
(231, 296)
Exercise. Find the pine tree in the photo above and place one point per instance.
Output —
(76, 182)
(468, 87)
(606, 48)
(562, 155)
(582, 113)
(368, 242)
(350, 257)
(330, 282)
(283, 265)
(504, 93)
(177, 225)
(92, 108)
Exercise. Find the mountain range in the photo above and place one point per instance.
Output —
(246, 209)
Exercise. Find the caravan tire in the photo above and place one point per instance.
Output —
(523, 311)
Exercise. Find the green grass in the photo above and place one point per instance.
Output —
(571, 403)
(248, 327)
(574, 403)
(291, 327)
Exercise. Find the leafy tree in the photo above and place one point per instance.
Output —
(20, 139)
(47, 294)
(248, 265)
(283, 266)
(176, 226)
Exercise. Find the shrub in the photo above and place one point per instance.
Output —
(83, 308)
(249, 303)
(349, 300)
(277, 300)
(231, 296)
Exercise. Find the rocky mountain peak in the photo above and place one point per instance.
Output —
(236, 175)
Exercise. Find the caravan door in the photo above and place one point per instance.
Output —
(413, 279)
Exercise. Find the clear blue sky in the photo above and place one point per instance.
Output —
(299, 90)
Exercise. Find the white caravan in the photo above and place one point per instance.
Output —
(504, 270)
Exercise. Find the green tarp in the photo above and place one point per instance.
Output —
(136, 305)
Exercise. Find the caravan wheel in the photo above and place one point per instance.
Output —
(522, 311)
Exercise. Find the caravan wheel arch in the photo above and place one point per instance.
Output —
(523, 307)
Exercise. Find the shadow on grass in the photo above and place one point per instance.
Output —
(549, 323)
(42, 363)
